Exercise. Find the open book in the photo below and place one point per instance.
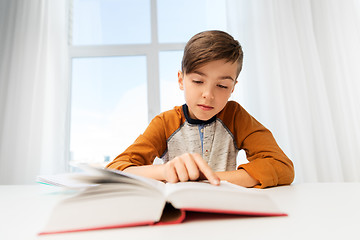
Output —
(114, 199)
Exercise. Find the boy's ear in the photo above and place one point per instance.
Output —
(180, 80)
(234, 86)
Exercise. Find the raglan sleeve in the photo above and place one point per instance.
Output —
(267, 162)
(150, 144)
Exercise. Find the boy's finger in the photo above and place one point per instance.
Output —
(181, 171)
(170, 174)
(206, 170)
(192, 167)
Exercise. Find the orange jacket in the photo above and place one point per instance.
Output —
(218, 140)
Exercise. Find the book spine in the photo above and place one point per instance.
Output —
(177, 220)
(243, 213)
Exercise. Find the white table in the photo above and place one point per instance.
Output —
(316, 211)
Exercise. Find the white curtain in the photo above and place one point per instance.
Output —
(301, 79)
(33, 89)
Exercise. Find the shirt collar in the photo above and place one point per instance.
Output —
(195, 121)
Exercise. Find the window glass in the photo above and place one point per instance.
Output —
(170, 64)
(109, 106)
(104, 22)
(179, 20)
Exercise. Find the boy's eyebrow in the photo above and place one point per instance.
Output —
(221, 78)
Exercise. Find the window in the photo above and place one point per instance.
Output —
(111, 22)
(108, 103)
(125, 55)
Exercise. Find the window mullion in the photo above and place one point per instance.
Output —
(153, 67)
(109, 50)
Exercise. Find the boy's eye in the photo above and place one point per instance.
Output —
(197, 81)
(222, 86)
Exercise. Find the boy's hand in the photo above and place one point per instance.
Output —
(187, 167)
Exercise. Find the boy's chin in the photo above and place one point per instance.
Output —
(201, 115)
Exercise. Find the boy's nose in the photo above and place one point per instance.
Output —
(208, 93)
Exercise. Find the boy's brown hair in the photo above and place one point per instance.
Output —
(210, 46)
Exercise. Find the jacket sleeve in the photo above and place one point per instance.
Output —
(150, 144)
(267, 162)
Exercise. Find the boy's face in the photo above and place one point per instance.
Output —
(208, 88)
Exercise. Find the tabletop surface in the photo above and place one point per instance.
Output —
(315, 211)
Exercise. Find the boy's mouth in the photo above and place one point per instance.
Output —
(205, 107)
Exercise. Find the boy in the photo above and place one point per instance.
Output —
(201, 139)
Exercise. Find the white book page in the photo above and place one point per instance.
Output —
(101, 175)
(101, 206)
(93, 176)
(65, 180)
(202, 185)
(226, 198)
